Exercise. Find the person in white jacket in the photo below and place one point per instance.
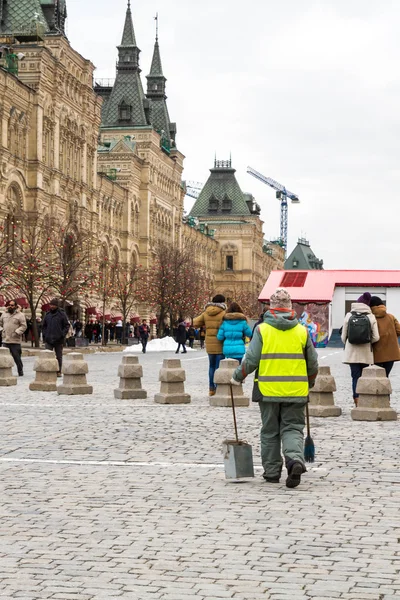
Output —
(359, 356)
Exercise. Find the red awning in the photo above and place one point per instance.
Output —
(92, 310)
(135, 320)
(45, 307)
(2, 300)
(153, 321)
(22, 302)
(107, 317)
(115, 319)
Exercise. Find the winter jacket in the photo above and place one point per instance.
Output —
(144, 331)
(233, 330)
(282, 321)
(55, 327)
(359, 353)
(181, 334)
(387, 349)
(14, 325)
(211, 318)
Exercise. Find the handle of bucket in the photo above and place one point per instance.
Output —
(234, 414)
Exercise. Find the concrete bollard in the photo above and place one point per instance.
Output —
(374, 391)
(322, 402)
(74, 370)
(6, 365)
(172, 377)
(222, 378)
(130, 384)
(46, 368)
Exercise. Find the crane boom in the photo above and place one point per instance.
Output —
(283, 194)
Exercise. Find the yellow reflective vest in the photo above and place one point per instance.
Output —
(283, 369)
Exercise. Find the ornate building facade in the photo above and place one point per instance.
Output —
(106, 155)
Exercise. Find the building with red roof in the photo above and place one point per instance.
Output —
(321, 298)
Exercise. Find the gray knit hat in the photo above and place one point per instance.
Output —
(281, 299)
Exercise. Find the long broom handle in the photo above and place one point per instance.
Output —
(234, 414)
(308, 420)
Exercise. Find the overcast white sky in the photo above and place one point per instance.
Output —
(305, 92)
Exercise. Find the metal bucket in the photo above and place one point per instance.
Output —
(238, 459)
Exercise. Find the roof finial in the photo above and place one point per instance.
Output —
(156, 20)
(129, 4)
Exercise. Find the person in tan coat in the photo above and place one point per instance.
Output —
(13, 324)
(359, 356)
(211, 318)
(386, 351)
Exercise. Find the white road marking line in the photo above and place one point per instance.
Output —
(189, 359)
(111, 463)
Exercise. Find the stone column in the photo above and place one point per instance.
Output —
(322, 403)
(46, 368)
(6, 365)
(374, 391)
(222, 378)
(172, 378)
(130, 383)
(74, 370)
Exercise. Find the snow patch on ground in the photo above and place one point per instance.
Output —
(167, 344)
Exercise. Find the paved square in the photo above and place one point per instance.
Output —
(104, 498)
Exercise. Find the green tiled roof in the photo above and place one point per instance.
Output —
(19, 17)
(159, 115)
(221, 185)
(302, 258)
(127, 88)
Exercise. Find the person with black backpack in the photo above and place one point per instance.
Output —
(360, 331)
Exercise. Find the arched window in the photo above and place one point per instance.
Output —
(124, 111)
(213, 204)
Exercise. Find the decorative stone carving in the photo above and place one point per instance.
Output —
(322, 402)
(172, 377)
(46, 368)
(374, 391)
(130, 384)
(6, 365)
(222, 378)
(74, 370)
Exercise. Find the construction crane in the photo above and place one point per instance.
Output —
(282, 194)
(193, 188)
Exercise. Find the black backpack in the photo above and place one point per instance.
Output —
(359, 329)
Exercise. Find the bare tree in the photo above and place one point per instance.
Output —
(125, 291)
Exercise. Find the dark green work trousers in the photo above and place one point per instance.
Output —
(282, 423)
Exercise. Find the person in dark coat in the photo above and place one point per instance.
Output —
(55, 329)
(202, 337)
(89, 331)
(181, 337)
(191, 334)
(144, 332)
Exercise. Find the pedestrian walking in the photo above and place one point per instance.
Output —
(144, 333)
(211, 319)
(287, 363)
(181, 337)
(118, 331)
(55, 330)
(360, 331)
(202, 337)
(13, 324)
(233, 331)
(386, 350)
(191, 335)
(89, 331)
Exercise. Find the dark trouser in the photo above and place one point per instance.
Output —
(16, 353)
(58, 350)
(388, 366)
(214, 360)
(191, 342)
(201, 344)
(183, 347)
(356, 372)
(144, 344)
(282, 423)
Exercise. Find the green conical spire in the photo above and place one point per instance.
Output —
(23, 18)
(156, 65)
(128, 37)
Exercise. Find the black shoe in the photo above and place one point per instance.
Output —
(21, 374)
(271, 479)
(177, 352)
(294, 474)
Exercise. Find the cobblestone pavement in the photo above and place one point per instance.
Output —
(106, 499)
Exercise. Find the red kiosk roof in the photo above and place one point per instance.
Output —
(319, 286)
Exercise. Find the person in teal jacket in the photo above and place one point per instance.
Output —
(233, 331)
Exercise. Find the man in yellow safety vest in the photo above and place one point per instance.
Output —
(286, 364)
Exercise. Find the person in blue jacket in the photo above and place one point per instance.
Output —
(233, 331)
